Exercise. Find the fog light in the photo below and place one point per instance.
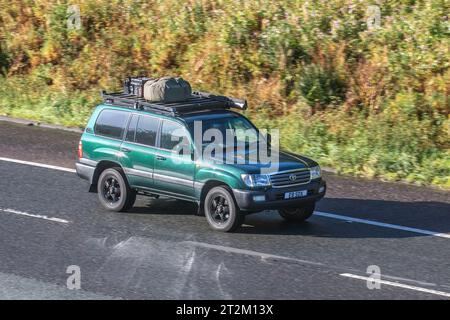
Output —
(322, 189)
(259, 198)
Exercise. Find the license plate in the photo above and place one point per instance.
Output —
(295, 194)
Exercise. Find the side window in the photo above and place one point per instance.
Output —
(111, 123)
(174, 137)
(146, 130)
(131, 132)
(244, 132)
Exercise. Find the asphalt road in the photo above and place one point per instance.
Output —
(160, 250)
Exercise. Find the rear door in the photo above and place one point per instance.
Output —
(138, 150)
(174, 168)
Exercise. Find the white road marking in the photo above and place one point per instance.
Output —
(381, 224)
(21, 213)
(396, 284)
(37, 164)
(317, 213)
(247, 252)
(420, 283)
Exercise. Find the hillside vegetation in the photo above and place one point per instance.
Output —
(365, 100)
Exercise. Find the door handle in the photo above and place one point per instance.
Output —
(125, 149)
(160, 158)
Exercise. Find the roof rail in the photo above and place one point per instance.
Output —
(198, 101)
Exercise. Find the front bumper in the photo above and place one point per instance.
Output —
(274, 197)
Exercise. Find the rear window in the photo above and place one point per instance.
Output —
(111, 123)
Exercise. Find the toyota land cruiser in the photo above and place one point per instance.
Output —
(131, 146)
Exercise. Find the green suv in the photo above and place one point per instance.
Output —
(132, 147)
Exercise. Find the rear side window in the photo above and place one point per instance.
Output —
(146, 130)
(111, 123)
(131, 132)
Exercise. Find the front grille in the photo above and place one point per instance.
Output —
(283, 179)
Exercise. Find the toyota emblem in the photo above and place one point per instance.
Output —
(292, 177)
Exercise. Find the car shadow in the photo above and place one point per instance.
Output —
(431, 216)
(164, 206)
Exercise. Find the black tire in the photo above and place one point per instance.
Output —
(221, 210)
(297, 214)
(114, 192)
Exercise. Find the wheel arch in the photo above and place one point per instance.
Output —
(100, 167)
(208, 185)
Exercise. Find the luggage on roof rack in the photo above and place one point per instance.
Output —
(135, 85)
(167, 89)
(197, 102)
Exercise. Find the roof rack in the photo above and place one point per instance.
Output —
(198, 101)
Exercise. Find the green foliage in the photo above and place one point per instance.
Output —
(321, 87)
(383, 146)
(367, 102)
(4, 60)
(49, 106)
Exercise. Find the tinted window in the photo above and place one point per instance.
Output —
(146, 130)
(132, 128)
(172, 134)
(111, 123)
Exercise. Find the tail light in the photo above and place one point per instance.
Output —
(80, 150)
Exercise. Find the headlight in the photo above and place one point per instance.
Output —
(256, 180)
(315, 172)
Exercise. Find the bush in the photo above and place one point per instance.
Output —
(321, 87)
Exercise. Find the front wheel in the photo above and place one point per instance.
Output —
(114, 192)
(297, 214)
(221, 210)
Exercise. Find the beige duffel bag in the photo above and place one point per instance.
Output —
(167, 89)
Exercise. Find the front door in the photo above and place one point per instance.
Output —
(174, 168)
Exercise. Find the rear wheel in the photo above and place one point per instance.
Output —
(221, 210)
(297, 214)
(114, 192)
